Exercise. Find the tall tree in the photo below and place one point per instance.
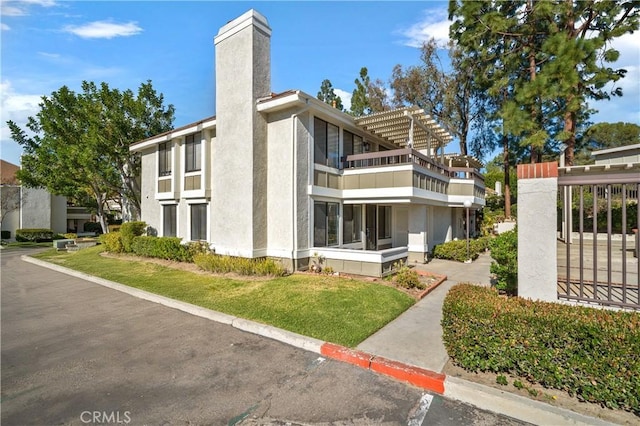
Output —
(368, 96)
(327, 94)
(80, 143)
(448, 95)
(556, 56)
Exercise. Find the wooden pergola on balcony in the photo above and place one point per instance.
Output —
(408, 128)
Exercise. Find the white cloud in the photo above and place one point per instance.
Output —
(17, 107)
(5, 27)
(104, 29)
(345, 97)
(19, 8)
(7, 10)
(434, 24)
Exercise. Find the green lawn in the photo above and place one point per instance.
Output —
(338, 310)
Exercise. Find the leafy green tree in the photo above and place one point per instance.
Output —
(549, 58)
(603, 136)
(448, 95)
(80, 144)
(328, 95)
(368, 96)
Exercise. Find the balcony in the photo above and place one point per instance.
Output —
(409, 173)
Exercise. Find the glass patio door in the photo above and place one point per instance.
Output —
(371, 228)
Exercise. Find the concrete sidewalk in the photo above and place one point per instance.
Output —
(415, 337)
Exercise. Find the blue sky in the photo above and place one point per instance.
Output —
(48, 43)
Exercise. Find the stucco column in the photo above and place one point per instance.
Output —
(418, 247)
(537, 222)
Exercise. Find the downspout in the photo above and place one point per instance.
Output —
(294, 181)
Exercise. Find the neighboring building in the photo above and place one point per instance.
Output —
(29, 207)
(628, 154)
(288, 176)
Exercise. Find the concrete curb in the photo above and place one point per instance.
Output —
(516, 406)
(484, 397)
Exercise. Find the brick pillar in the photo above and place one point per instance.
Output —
(537, 222)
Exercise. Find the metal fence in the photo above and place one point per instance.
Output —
(598, 245)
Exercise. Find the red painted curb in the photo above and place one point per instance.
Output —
(416, 376)
(351, 356)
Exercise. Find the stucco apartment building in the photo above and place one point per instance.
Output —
(288, 176)
(29, 207)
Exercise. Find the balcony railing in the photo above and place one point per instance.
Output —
(410, 156)
(395, 157)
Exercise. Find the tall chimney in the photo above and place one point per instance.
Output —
(239, 166)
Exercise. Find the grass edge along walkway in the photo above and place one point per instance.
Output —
(334, 309)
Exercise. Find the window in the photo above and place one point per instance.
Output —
(352, 144)
(198, 222)
(326, 143)
(325, 224)
(169, 220)
(164, 159)
(193, 152)
(384, 222)
(352, 223)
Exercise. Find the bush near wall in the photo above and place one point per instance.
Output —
(504, 251)
(168, 248)
(457, 250)
(130, 230)
(92, 227)
(34, 234)
(112, 242)
(239, 265)
(593, 354)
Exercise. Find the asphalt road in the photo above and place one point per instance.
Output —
(76, 353)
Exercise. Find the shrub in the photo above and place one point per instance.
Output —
(112, 242)
(457, 250)
(130, 230)
(92, 227)
(407, 277)
(5, 235)
(35, 234)
(504, 251)
(591, 353)
(114, 228)
(168, 248)
(70, 236)
(239, 265)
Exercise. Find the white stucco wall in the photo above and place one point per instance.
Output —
(149, 205)
(58, 216)
(239, 173)
(537, 247)
(440, 228)
(36, 208)
(280, 179)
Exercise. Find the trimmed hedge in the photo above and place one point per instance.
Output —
(130, 230)
(92, 227)
(112, 242)
(239, 265)
(457, 250)
(593, 354)
(34, 234)
(162, 247)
